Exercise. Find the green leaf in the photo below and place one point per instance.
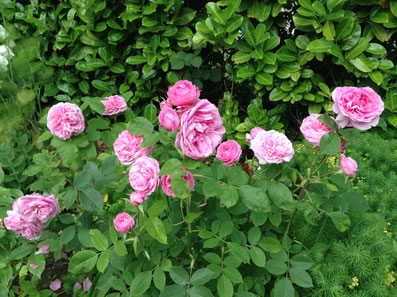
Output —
(285, 55)
(155, 227)
(264, 78)
(170, 166)
(391, 99)
(201, 276)
(280, 195)
(68, 234)
(177, 64)
(216, 13)
(45, 136)
(99, 240)
(344, 28)
(21, 251)
(103, 261)
(200, 291)
(120, 249)
(257, 256)
(150, 139)
(179, 275)
(135, 60)
(157, 208)
(300, 277)
(69, 198)
(179, 186)
(141, 283)
(159, 279)
(362, 63)
(82, 262)
(341, 220)
(228, 195)
(376, 77)
(140, 126)
(237, 176)
(330, 144)
(329, 30)
(358, 48)
(173, 291)
(301, 261)
(328, 121)
(91, 199)
(270, 244)
(284, 288)
(239, 251)
(232, 6)
(276, 266)
(224, 287)
(393, 7)
(246, 71)
(319, 8)
(240, 57)
(376, 48)
(319, 46)
(249, 32)
(255, 199)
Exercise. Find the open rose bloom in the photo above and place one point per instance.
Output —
(114, 105)
(144, 176)
(127, 147)
(183, 94)
(166, 182)
(21, 225)
(65, 120)
(313, 129)
(357, 107)
(201, 130)
(229, 152)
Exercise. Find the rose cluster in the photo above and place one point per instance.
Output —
(29, 213)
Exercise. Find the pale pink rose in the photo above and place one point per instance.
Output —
(201, 130)
(313, 129)
(114, 105)
(33, 266)
(87, 284)
(43, 249)
(349, 166)
(123, 222)
(137, 198)
(166, 182)
(183, 94)
(37, 207)
(165, 103)
(21, 225)
(357, 107)
(144, 175)
(127, 147)
(77, 286)
(252, 134)
(65, 120)
(169, 119)
(229, 152)
(272, 147)
(55, 285)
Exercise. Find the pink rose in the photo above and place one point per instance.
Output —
(313, 129)
(127, 147)
(55, 285)
(65, 120)
(37, 207)
(114, 105)
(201, 130)
(165, 103)
(343, 144)
(144, 175)
(357, 107)
(87, 284)
(33, 266)
(183, 94)
(43, 249)
(169, 119)
(349, 166)
(272, 147)
(252, 134)
(123, 222)
(137, 198)
(21, 225)
(229, 152)
(166, 182)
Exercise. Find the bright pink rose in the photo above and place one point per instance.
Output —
(201, 130)
(127, 147)
(183, 94)
(169, 119)
(37, 207)
(55, 285)
(144, 175)
(357, 107)
(272, 147)
(65, 120)
(349, 166)
(21, 225)
(252, 134)
(165, 103)
(123, 222)
(137, 198)
(114, 105)
(87, 284)
(229, 152)
(33, 266)
(43, 249)
(166, 182)
(313, 129)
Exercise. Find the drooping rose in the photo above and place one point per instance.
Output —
(21, 225)
(252, 134)
(166, 182)
(272, 147)
(349, 165)
(123, 222)
(65, 120)
(183, 94)
(137, 198)
(313, 129)
(201, 130)
(357, 107)
(229, 152)
(55, 285)
(127, 147)
(144, 176)
(114, 105)
(169, 119)
(87, 284)
(37, 207)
